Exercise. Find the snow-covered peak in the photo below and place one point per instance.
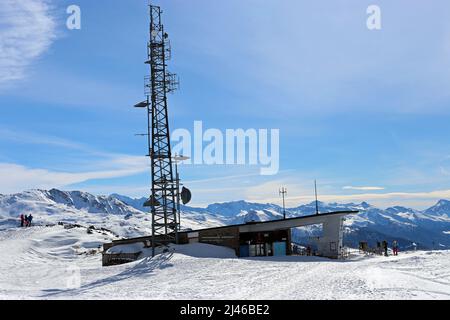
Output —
(399, 209)
(442, 203)
(231, 209)
(441, 208)
(365, 205)
(137, 203)
(91, 203)
(54, 198)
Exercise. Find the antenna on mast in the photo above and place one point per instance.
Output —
(317, 202)
(283, 192)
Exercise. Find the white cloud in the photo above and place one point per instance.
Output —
(300, 188)
(31, 137)
(96, 164)
(417, 200)
(27, 30)
(16, 178)
(362, 188)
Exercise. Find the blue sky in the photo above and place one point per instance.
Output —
(366, 113)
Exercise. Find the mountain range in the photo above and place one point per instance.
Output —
(126, 217)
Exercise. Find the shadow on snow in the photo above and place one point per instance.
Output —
(144, 268)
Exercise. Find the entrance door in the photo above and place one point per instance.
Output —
(244, 250)
(279, 248)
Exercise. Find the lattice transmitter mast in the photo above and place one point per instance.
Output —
(160, 82)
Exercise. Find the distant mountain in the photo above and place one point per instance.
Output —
(53, 206)
(440, 209)
(137, 203)
(127, 217)
(427, 229)
(120, 214)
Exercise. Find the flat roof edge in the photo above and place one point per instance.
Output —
(345, 212)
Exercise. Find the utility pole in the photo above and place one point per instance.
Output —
(283, 192)
(317, 202)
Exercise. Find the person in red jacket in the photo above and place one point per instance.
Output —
(395, 247)
(22, 220)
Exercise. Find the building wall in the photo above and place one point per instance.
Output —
(183, 238)
(231, 238)
(330, 244)
(227, 237)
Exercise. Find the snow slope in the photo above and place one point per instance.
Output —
(44, 263)
(75, 207)
(54, 206)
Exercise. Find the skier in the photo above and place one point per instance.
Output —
(29, 219)
(22, 220)
(395, 247)
(385, 247)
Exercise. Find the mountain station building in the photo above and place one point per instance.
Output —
(273, 238)
(252, 239)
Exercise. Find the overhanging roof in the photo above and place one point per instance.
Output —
(283, 223)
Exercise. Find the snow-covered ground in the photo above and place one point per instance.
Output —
(58, 263)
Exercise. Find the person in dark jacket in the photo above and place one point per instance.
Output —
(385, 247)
(29, 218)
(22, 220)
(308, 250)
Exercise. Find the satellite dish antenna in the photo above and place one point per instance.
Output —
(154, 33)
(186, 195)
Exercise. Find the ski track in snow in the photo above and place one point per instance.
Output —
(34, 264)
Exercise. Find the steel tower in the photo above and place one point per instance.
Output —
(160, 82)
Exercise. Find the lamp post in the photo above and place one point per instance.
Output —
(177, 159)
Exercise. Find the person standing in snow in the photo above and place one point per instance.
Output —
(22, 220)
(395, 247)
(29, 219)
(308, 250)
(385, 247)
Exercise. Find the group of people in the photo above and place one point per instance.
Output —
(300, 251)
(383, 246)
(25, 221)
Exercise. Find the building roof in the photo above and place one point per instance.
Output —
(284, 223)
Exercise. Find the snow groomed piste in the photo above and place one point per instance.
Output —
(58, 263)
